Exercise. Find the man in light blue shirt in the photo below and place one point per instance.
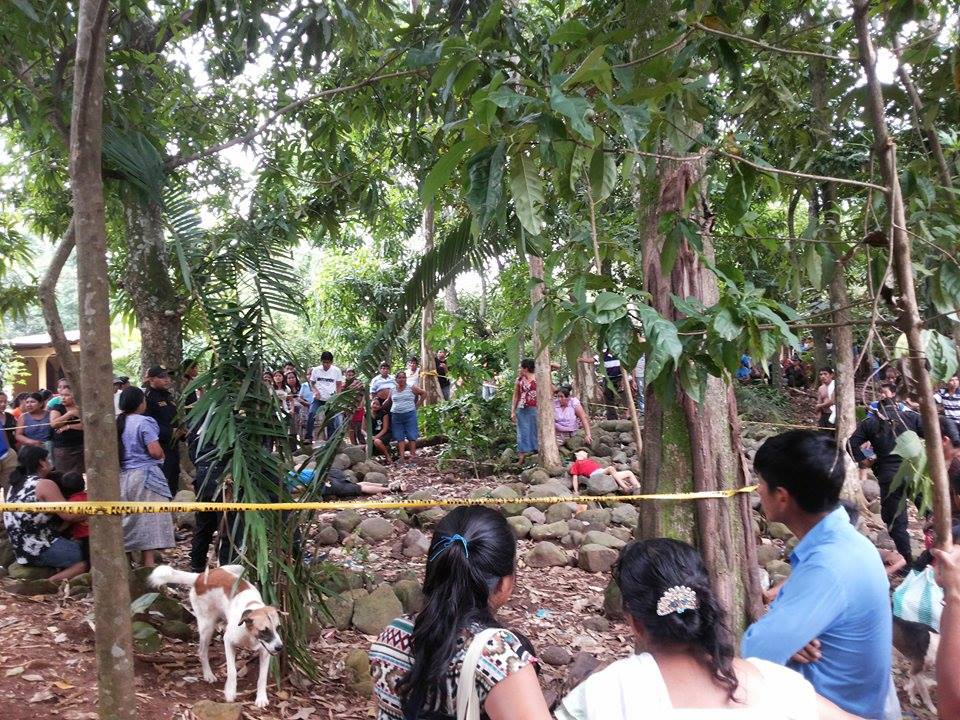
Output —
(837, 593)
(383, 381)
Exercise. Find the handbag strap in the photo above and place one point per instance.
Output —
(468, 700)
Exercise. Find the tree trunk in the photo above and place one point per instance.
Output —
(113, 638)
(47, 293)
(584, 377)
(690, 447)
(820, 357)
(546, 432)
(451, 301)
(158, 307)
(909, 320)
(776, 370)
(428, 365)
(829, 224)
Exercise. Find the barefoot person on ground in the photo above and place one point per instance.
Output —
(416, 663)
(585, 467)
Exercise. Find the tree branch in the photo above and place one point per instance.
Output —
(656, 53)
(765, 46)
(47, 293)
(180, 160)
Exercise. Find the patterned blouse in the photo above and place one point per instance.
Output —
(30, 533)
(390, 661)
(528, 392)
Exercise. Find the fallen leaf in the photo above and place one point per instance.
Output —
(14, 671)
(33, 678)
(41, 696)
(63, 685)
(303, 713)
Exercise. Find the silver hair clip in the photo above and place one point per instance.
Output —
(677, 599)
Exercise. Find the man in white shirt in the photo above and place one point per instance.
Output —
(413, 371)
(326, 381)
(383, 381)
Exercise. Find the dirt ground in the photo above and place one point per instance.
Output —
(48, 667)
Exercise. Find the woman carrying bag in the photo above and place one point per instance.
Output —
(454, 659)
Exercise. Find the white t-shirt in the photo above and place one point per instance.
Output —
(618, 691)
(413, 377)
(383, 383)
(325, 381)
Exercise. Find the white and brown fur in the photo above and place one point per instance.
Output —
(918, 644)
(221, 595)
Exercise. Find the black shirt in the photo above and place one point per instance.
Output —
(163, 408)
(442, 372)
(882, 433)
(10, 422)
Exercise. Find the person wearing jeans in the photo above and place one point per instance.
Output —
(403, 416)
(524, 410)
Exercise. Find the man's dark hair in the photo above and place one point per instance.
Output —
(528, 364)
(889, 386)
(807, 464)
(949, 429)
(414, 358)
(326, 356)
(828, 369)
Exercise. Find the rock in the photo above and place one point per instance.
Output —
(138, 582)
(505, 492)
(621, 533)
(596, 558)
(613, 601)
(508, 456)
(374, 466)
(376, 477)
(871, 489)
(415, 543)
(571, 541)
(598, 537)
(777, 579)
(7, 556)
(420, 495)
(767, 554)
(535, 516)
(346, 520)
(520, 525)
(538, 476)
(429, 518)
(176, 629)
(371, 614)
(790, 544)
(626, 515)
(338, 611)
(875, 506)
(356, 453)
(608, 425)
(146, 639)
(341, 461)
(778, 531)
(554, 655)
(551, 531)
(210, 710)
(558, 512)
(410, 595)
(376, 529)
(599, 485)
(185, 496)
(341, 579)
(16, 571)
(580, 668)
(598, 519)
(360, 469)
(79, 585)
(597, 624)
(603, 450)
(576, 441)
(545, 554)
(778, 567)
(37, 586)
(327, 535)
(577, 525)
(169, 608)
(357, 662)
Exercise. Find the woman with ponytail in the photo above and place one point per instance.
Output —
(416, 662)
(686, 665)
(35, 537)
(141, 477)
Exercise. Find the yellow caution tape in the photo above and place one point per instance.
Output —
(134, 508)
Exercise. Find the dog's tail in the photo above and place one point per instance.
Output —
(166, 575)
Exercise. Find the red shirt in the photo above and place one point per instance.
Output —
(584, 467)
(80, 530)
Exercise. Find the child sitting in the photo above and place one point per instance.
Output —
(625, 479)
(74, 489)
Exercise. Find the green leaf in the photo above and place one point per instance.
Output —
(910, 447)
(593, 69)
(527, 193)
(579, 164)
(490, 20)
(442, 170)
(607, 301)
(662, 339)
(814, 266)
(635, 120)
(506, 98)
(485, 173)
(948, 282)
(572, 31)
(26, 8)
(421, 57)
(725, 325)
(603, 174)
(576, 109)
(941, 353)
(693, 380)
(142, 630)
(143, 602)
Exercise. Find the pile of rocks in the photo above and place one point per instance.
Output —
(612, 444)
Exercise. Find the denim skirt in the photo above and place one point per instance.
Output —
(527, 441)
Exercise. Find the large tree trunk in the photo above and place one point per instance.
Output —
(47, 293)
(546, 432)
(158, 307)
(584, 376)
(690, 447)
(428, 365)
(829, 224)
(909, 320)
(113, 638)
(451, 301)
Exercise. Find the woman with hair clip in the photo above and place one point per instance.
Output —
(142, 478)
(687, 667)
(455, 657)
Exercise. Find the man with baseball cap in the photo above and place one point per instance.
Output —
(162, 407)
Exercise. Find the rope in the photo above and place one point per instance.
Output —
(105, 507)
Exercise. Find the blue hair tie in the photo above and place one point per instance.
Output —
(447, 541)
